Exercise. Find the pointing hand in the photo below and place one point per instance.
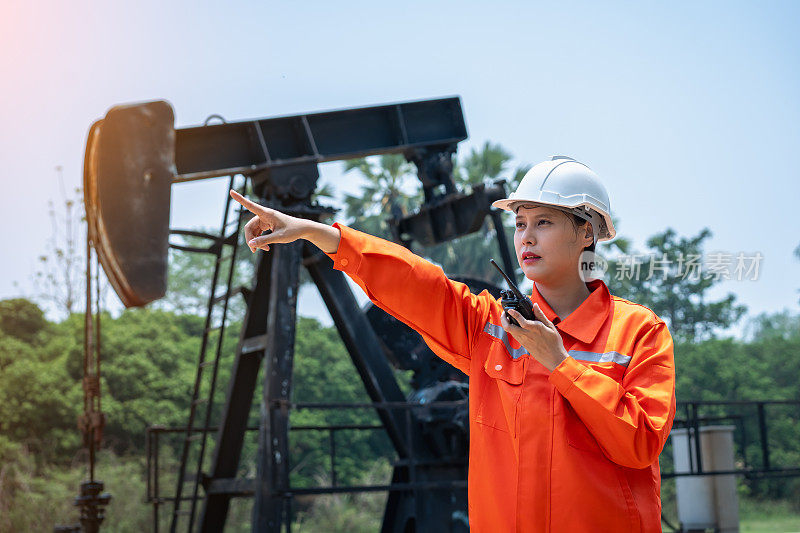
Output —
(279, 227)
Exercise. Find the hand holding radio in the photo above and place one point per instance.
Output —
(536, 333)
(514, 299)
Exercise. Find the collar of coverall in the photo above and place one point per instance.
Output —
(585, 321)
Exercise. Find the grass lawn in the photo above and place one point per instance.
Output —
(767, 517)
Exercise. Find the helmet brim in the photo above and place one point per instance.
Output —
(508, 204)
(504, 204)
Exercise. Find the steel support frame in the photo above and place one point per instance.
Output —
(230, 436)
(268, 336)
(269, 509)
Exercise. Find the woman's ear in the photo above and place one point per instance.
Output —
(589, 235)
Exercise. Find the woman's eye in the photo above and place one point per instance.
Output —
(521, 225)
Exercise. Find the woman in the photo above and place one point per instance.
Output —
(568, 412)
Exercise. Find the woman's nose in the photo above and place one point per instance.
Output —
(528, 236)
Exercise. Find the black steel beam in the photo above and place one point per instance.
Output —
(502, 243)
(361, 342)
(239, 398)
(253, 145)
(273, 436)
(450, 216)
(246, 487)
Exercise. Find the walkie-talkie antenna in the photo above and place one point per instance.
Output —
(511, 284)
(514, 299)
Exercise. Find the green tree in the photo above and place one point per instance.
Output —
(149, 358)
(488, 163)
(190, 275)
(324, 372)
(763, 366)
(21, 319)
(148, 362)
(38, 400)
(665, 280)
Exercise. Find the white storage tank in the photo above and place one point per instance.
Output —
(706, 501)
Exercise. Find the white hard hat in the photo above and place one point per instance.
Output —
(568, 185)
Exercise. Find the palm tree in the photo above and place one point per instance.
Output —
(482, 165)
(385, 193)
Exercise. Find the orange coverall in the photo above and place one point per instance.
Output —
(575, 450)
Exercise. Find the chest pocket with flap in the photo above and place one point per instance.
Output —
(501, 392)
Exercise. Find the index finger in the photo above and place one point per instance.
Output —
(251, 206)
(504, 322)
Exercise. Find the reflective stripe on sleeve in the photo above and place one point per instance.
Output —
(499, 333)
(595, 357)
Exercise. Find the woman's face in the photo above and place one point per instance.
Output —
(549, 234)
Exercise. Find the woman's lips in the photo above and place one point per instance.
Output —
(530, 260)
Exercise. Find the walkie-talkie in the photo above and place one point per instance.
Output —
(514, 299)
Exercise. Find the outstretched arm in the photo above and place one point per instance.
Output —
(417, 292)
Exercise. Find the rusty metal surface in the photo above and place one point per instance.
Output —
(128, 173)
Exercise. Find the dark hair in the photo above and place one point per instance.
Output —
(579, 222)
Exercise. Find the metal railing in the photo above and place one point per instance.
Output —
(751, 436)
(751, 419)
(153, 445)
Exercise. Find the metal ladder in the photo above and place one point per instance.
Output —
(199, 433)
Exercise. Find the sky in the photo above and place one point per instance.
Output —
(688, 111)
